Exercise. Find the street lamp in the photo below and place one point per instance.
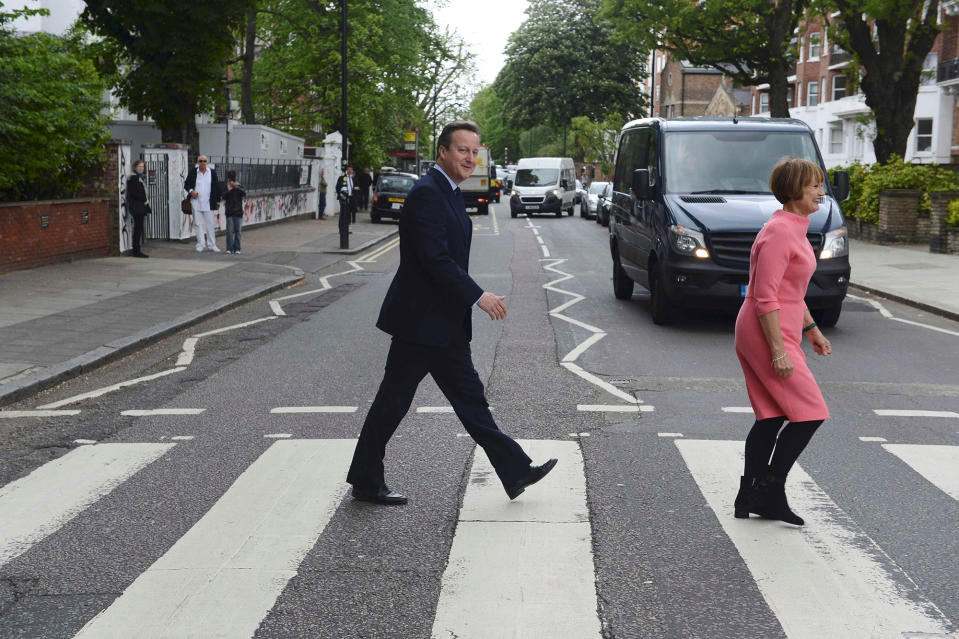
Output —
(345, 216)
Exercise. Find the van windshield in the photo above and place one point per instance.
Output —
(729, 161)
(536, 177)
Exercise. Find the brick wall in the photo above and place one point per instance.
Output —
(898, 211)
(36, 233)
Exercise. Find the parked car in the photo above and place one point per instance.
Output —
(689, 197)
(593, 193)
(543, 185)
(603, 205)
(580, 198)
(389, 195)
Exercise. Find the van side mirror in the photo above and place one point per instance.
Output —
(641, 187)
(840, 185)
(563, 184)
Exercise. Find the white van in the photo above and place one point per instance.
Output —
(543, 185)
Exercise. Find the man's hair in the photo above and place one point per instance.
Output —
(791, 175)
(447, 135)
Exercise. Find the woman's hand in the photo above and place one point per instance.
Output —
(782, 364)
(819, 342)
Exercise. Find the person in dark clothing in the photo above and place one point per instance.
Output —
(233, 202)
(366, 181)
(137, 206)
(347, 192)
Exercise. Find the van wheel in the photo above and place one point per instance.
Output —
(622, 285)
(662, 310)
(827, 317)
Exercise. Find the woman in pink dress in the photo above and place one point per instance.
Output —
(769, 330)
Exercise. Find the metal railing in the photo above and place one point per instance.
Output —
(258, 174)
(948, 70)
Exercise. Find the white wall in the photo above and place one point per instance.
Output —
(63, 13)
(250, 141)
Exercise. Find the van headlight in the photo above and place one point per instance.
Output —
(687, 241)
(835, 244)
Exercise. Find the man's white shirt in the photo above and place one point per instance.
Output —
(202, 187)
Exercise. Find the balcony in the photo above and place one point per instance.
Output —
(948, 72)
(839, 57)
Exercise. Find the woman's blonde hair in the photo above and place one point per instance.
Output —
(791, 175)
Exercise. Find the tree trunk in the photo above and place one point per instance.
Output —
(246, 80)
(894, 111)
(778, 90)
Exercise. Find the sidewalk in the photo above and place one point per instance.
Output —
(58, 321)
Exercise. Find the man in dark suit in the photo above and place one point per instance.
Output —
(347, 192)
(427, 311)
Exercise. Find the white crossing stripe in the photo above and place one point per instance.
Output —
(13, 414)
(669, 434)
(873, 439)
(916, 413)
(827, 579)
(938, 464)
(434, 409)
(223, 576)
(541, 542)
(35, 506)
(614, 408)
(738, 409)
(162, 411)
(313, 409)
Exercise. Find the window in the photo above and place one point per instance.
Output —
(669, 79)
(763, 102)
(789, 96)
(670, 111)
(812, 94)
(631, 156)
(835, 137)
(815, 41)
(923, 135)
(929, 66)
(839, 87)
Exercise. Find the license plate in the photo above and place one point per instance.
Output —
(397, 206)
(472, 209)
(397, 199)
(532, 207)
(742, 290)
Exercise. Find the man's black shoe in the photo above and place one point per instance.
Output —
(139, 255)
(534, 475)
(381, 496)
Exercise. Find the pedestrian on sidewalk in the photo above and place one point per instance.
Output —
(346, 193)
(427, 311)
(137, 205)
(233, 206)
(769, 332)
(366, 181)
(203, 186)
(321, 211)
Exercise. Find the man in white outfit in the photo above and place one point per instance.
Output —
(204, 188)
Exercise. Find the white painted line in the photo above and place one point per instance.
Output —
(189, 350)
(574, 354)
(162, 411)
(313, 409)
(378, 252)
(920, 324)
(609, 388)
(235, 326)
(84, 442)
(669, 434)
(224, 575)
(826, 579)
(916, 413)
(277, 309)
(885, 313)
(434, 409)
(535, 232)
(584, 434)
(938, 464)
(542, 540)
(545, 251)
(872, 439)
(14, 414)
(115, 387)
(182, 438)
(33, 507)
(539, 239)
(462, 434)
(738, 409)
(278, 436)
(607, 408)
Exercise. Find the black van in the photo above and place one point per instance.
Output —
(689, 197)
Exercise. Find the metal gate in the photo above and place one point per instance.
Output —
(157, 225)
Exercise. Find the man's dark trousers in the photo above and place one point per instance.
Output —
(452, 369)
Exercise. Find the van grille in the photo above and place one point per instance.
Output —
(732, 249)
(532, 199)
(703, 199)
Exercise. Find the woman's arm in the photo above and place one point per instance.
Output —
(819, 342)
(777, 349)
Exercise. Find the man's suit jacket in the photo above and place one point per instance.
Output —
(431, 299)
(215, 192)
(136, 197)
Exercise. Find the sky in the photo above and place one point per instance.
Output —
(486, 26)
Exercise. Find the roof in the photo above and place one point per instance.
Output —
(704, 123)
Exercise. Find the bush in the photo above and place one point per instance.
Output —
(867, 182)
(952, 217)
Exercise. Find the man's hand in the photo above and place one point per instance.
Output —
(493, 305)
(194, 194)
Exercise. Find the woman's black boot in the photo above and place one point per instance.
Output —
(771, 491)
(745, 498)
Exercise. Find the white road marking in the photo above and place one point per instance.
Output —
(885, 313)
(224, 575)
(84, 442)
(609, 388)
(182, 438)
(826, 579)
(33, 507)
(938, 464)
(15, 414)
(583, 346)
(114, 387)
(545, 251)
(313, 409)
(872, 439)
(277, 309)
(614, 408)
(278, 436)
(738, 409)
(434, 409)
(669, 434)
(234, 327)
(543, 540)
(915, 413)
(539, 238)
(188, 352)
(162, 411)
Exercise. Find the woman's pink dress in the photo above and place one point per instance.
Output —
(780, 265)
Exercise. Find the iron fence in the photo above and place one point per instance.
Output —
(257, 174)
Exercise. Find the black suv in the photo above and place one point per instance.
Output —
(689, 197)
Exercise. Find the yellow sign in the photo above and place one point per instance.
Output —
(397, 199)
(409, 136)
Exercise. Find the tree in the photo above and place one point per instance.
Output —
(167, 57)
(596, 141)
(486, 110)
(51, 130)
(562, 63)
(449, 70)
(749, 40)
(890, 41)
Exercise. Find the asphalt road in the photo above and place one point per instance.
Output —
(229, 519)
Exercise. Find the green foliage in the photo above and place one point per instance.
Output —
(952, 218)
(486, 110)
(596, 141)
(562, 63)
(867, 182)
(51, 130)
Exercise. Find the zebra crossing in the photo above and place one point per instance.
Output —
(228, 571)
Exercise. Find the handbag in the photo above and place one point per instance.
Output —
(185, 207)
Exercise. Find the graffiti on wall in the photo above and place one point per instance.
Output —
(124, 167)
(263, 208)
